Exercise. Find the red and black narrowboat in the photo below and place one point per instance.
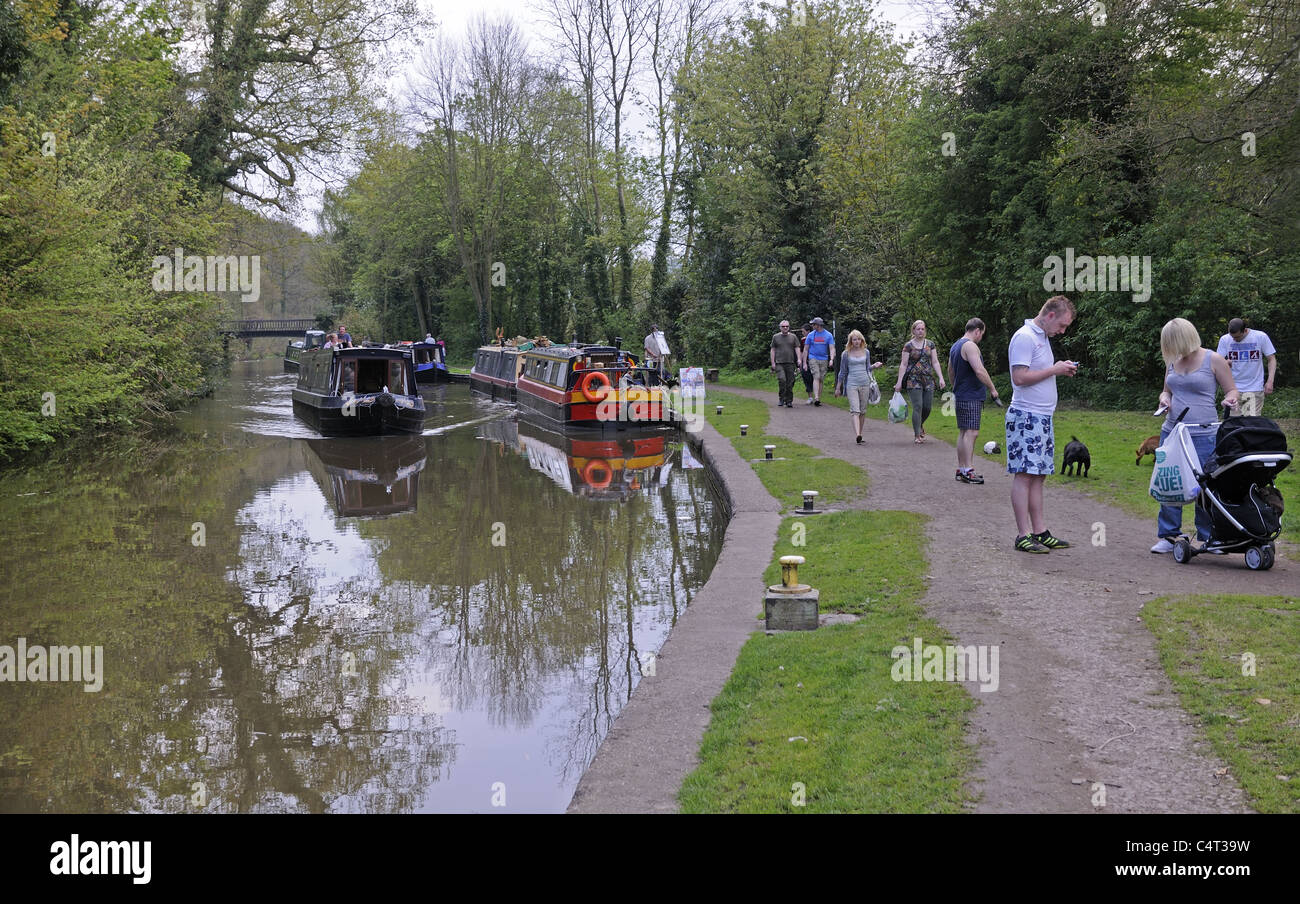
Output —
(358, 391)
(592, 386)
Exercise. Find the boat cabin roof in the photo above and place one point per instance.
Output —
(364, 352)
(566, 352)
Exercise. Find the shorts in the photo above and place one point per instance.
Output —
(857, 397)
(1251, 404)
(1031, 446)
(818, 367)
(968, 414)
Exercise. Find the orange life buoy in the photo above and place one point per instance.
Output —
(595, 377)
(592, 467)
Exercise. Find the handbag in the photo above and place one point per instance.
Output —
(873, 393)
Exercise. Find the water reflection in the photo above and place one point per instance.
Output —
(315, 654)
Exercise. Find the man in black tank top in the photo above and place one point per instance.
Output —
(968, 377)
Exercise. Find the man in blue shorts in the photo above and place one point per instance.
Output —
(968, 377)
(1031, 446)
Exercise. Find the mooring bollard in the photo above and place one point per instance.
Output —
(719, 409)
(744, 429)
(767, 451)
(809, 503)
(790, 606)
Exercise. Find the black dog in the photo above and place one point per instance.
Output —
(1076, 455)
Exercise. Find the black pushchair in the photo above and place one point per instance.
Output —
(1238, 493)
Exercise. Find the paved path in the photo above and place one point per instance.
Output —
(1082, 692)
(653, 744)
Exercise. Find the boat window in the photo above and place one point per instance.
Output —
(372, 374)
(348, 379)
(397, 376)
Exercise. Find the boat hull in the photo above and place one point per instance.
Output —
(373, 415)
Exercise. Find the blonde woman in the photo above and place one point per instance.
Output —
(918, 369)
(854, 378)
(1193, 376)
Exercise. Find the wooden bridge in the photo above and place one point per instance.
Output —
(254, 329)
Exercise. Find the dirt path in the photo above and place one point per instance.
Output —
(1082, 694)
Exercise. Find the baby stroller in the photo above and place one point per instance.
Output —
(1238, 492)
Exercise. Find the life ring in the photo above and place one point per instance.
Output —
(595, 377)
(590, 470)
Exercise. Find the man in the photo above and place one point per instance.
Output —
(345, 340)
(1245, 351)
(1031, 446)
(968, 377)
(786, 356)
(818, 356)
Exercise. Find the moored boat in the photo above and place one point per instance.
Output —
(430, 358)
(358, 391)
(293, 351)
(592, 386)
(496, 370)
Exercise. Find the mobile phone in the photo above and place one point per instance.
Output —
(1159, 411)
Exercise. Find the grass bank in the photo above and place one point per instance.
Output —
(813, 721)
(1233, 661)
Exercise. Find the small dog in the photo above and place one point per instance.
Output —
(1148, 447)
(1076, 456)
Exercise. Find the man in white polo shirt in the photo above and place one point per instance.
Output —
(1031, 446)
(1246, 351)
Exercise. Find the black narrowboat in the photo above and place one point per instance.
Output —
(593, 386)
(358, 391)
(496, 371)
(293, 351)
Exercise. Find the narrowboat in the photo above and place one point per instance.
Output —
(496, 370)
(592, 386)
(365, 477)
(293, 351)
(358, 391)
(430, 357)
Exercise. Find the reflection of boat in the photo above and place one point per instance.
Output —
(496, 370)
(430, 358)
(357, 391)
(592, 385)
(293, 351)
(612, 466)
(368, 475)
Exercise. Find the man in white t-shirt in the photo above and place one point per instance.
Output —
(1031, 445)
(1246, 351)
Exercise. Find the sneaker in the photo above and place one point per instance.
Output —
(809, 402)
(1164, 546)
(1029, 544)
(1051, 542)
(969, 477)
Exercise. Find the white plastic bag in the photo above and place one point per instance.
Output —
(1173, 480)
(897, 409)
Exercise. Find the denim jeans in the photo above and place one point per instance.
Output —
(1170, 520)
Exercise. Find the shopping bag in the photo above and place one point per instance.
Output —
(897, 409)
(1173, 480)
(873, 393)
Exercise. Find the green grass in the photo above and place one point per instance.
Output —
(1201, 640)
(803, 468)
(872, 744)
(1111, 438)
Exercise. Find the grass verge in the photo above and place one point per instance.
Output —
(802, 467)
(820, 708)
(1253, 721)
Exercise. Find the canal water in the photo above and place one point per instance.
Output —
(442, 623)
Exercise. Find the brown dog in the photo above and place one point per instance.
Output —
(1148, 447)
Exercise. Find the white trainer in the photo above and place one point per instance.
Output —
(1164, 546)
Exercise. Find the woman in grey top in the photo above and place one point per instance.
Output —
(854, 378)
(1193, 376)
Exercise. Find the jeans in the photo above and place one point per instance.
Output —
(1169, 522)
(785, 383)
(920, 400)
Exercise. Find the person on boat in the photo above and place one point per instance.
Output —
(345, 340)
(332, 341)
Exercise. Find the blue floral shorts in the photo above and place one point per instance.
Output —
(1031, 446)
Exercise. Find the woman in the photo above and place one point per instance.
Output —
(854, 378)
(918, 369)
(1192, 376)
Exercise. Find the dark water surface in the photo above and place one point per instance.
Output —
(299, 624)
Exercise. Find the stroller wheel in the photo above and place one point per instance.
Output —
(1182, 551)
(1267, 552)
(1255, 558)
